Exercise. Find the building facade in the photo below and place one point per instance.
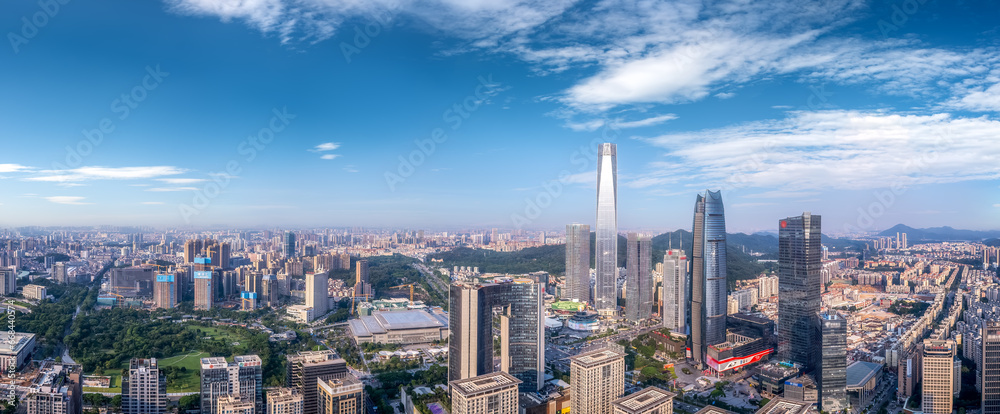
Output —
(639, 282)
(938, 376)
(342, 395)
(833, 364)
(708, 275)
(522, 336)
(676, 299)
(165, 291)
(284, 401)
(318, 293)
(305, 368)
(242, 378)
(494, 393)
(799, 284)
(596, 379)
(651, 400)
(989, 370)
(577, 263)
(606, 254)
(144, 391)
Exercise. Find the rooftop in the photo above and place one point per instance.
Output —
(599, 356)
(713, 410)
(783, 406)
(643, 401)
(484, 383)
(20, 340)
(860, 372)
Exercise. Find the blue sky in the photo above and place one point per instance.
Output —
(870, 114)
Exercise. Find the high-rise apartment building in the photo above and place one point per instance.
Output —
(676, 300)
(288, 245)
(522, 336)
(651, 400)
(284, 401)
(234, 404)
(59, 273)
(165, 291)
(242, 378)
(8, 279)
(60, 390)
(342, 395)
(606, 253)
(304, 368)
(708, 275)
(989, 369)
(639, 281)
(144, 391)
(799, 284)
(270, 294)
(362, 287)
(833, 363)
(204, 289)
(493, 393)
(938, 378)
(318, 293)
(596, 379)
(577, 263)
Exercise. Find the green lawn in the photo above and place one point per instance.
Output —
(213, 332)
(191, 360)
(188, 382)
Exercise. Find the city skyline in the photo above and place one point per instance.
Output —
(801, 127)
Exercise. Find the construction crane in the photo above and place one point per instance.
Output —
(354, 300)
(403, 286)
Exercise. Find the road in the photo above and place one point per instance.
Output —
(65, 356)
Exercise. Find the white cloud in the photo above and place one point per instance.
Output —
(104, 173)
(9, 168)
(725, 95)
(326, 146)
(170, 189)
(67, 200)
(181, 180)
(835, 150)
(329, 156)
(979, 99)
(655, 120)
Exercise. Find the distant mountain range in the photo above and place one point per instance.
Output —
(939, 234)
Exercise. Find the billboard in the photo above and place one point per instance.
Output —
(736, 362)
(203, 274)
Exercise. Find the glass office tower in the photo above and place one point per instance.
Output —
(833, 365)
(799, 284)
(606, 259)
(708, 275)
(577, 263)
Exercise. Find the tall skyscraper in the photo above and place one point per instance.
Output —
(708, 275)
(8, 278)
(341, 395)
(165, 291)
(606, 254)
(596, 379)
(799, 284)
(577, 263)
(361, 283)
(938, 379)
(288, 245)
(833, 364)
(493, 393)
(639, 282)
(522, 336)
(144, 391)
(989, 370)
(318, 293)
(241, 378)
(304, 368)
(675, 291)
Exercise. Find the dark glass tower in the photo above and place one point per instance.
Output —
(606, 254)
(639, 284)
(577, 263)
(990, 369)
(288, 244)
(708, 275)
(799, 284)
(833, 365)
(522, 336)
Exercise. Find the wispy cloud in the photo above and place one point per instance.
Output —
(836, 150)
(104, 173)
(9, 168)
(326, 146)
(170, 189)
(74, 200)
(351, 169)
(182, 180)
(329, 156)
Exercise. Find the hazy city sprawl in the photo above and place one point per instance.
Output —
(500, 207)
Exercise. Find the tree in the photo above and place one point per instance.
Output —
(189, 402)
